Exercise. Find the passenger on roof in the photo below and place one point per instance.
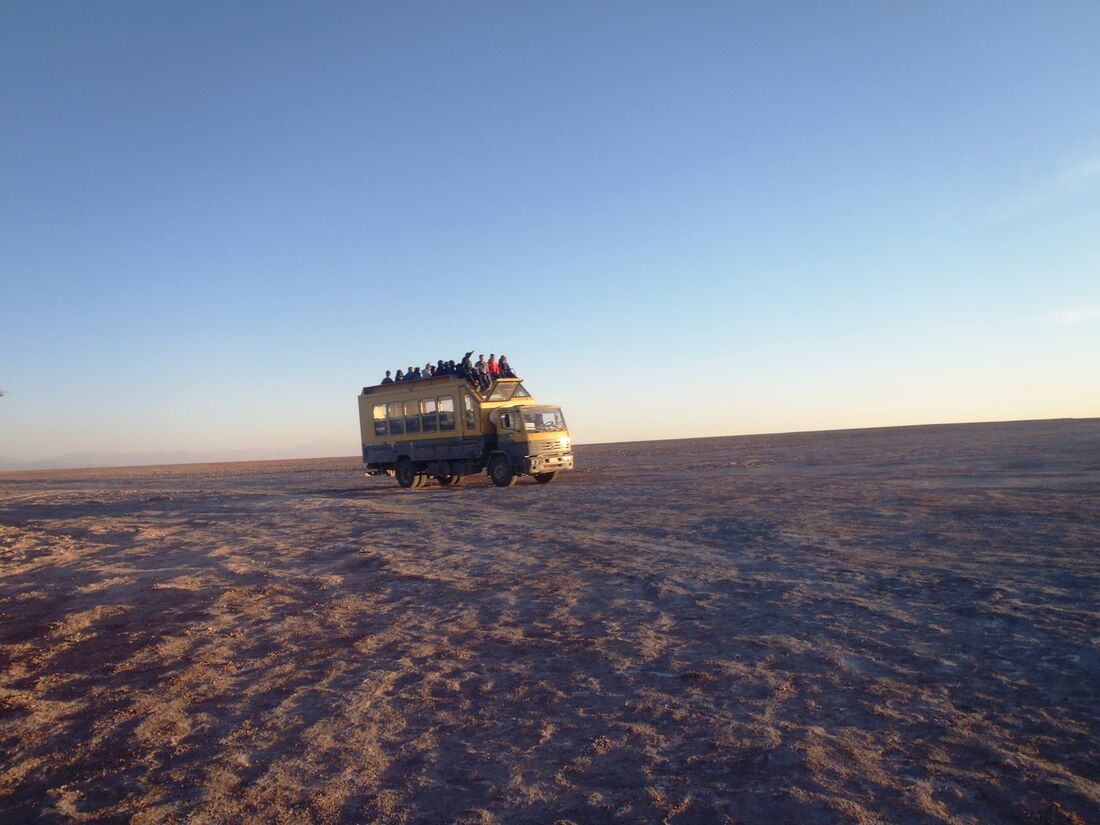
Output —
(493, 367)
(400, 376)
(482, 372)
(387, 379)
(466, 368)
(416, 373)
(505, 368)
(428, 370)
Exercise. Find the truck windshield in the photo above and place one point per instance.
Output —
(543, 419)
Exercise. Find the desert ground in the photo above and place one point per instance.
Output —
(892, 625)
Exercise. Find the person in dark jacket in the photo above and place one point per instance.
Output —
(399, 377)
(466, 368)
(505, 367)
(387, 379)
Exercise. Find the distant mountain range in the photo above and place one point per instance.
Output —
(313, 449)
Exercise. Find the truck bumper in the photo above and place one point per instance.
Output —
(547, 463)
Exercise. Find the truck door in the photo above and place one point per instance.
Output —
(509, 426)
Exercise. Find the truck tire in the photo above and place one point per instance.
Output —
(406, 474)
(546, 478)
(501, 472)
(449, 480)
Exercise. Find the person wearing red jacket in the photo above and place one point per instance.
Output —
(493, 367)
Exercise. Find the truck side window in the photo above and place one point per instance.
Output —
(397, 420)
(446, 413)
(428, 415)
(379, 419)
(412, 417)
(469, 411)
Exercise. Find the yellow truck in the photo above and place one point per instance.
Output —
(446, 428)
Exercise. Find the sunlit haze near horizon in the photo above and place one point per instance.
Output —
(219, 221)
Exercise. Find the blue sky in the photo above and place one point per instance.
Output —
(218, 221)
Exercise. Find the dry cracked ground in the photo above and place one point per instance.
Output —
(898, 625)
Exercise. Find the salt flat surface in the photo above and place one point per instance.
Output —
(897, 625)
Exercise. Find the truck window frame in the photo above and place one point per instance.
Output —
(412, 419)
(395, 411)
(445, 404)
(511, 419)
(429, 418)
(502, 392)
(469, 410)
(378, 413)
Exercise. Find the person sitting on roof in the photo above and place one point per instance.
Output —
(466, 368)
(416, 373)
(399, 377)
(387, 379)
(428, 370)
(482, 372)
(505, 368)
(493, 368)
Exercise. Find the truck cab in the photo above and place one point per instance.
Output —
(534, 439)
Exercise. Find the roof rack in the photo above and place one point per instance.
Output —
(499, 389)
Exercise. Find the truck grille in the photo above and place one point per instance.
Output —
(548, 448)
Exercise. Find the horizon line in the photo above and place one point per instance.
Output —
(576, 444)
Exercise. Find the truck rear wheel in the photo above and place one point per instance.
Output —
(406, 474)
(449, 480)
(501, 472)
(546, 478)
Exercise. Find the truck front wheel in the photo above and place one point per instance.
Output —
(501, 472)
(546, 478)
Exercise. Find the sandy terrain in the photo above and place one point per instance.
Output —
(881, 626)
